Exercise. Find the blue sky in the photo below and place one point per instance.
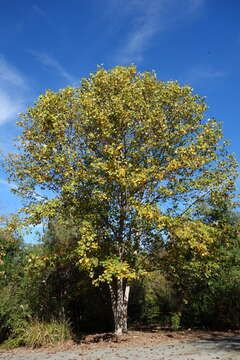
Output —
(51, 44)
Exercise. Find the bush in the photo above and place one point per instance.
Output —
(217, 305)
(175, 319)
(37, 334)
(152, 301)
(14, 312)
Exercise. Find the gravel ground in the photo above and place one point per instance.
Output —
(221, 348)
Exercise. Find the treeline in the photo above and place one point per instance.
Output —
(47, 297)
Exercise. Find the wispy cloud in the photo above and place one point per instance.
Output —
(45, 17)
(9, 75)
(13, 90)
(195, 4)
(7, 184)
(201, 72)
(4, 182)
(38, 10)
(144, 18)
(148, 18)
(9, 106)
(53, 64)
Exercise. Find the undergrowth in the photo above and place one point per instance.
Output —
(37, 334)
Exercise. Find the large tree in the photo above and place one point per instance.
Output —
(122, 159)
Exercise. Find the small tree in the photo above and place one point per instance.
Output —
(123, 159)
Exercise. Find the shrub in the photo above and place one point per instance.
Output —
(14, 312)
(175, 319)
(37, 334)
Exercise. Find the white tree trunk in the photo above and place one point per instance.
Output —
(119, 295)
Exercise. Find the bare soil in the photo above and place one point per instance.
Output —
(147, 344)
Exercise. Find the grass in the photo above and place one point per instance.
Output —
(37, 334)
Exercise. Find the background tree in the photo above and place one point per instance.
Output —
(200, 272)
(124, 158)
(11, 253)
(58, 289)
(13, 308)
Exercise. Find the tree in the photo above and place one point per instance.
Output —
(122, 159)
(11, 253)
(13, 309)
(197, 269)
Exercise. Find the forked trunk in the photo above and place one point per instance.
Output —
(119, 290)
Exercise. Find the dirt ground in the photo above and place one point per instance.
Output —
(140, 345)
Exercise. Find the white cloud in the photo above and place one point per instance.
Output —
(9, 106)
(149, 17)
(9, 75)
(201, 72)
(145, 25)
(52, 63)
(6, 183)
(13, 89)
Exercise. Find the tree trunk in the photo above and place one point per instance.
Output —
(119, 290)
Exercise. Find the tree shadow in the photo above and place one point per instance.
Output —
(227, 343)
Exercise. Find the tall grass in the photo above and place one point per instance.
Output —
(37, 334)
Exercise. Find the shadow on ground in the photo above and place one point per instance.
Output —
(229, 343)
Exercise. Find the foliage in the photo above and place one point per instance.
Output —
(14, 311)
(11, 255)
(35, 293)
(37, 334)
(216, 305)
(50, 289)
(123, 159)
(159, 300)
(111, 151)
(207, 284)
(175, 320)
(59, 288)
(192, 265)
